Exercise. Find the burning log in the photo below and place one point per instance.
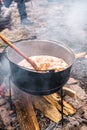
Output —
(50, 106)
(68, 107)
(54, 102)
(25, 111)
(49, 110)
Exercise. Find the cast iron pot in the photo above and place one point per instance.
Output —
(34, 82)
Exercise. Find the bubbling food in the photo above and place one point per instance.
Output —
(45, 63)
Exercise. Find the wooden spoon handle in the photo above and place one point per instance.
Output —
(19, 51)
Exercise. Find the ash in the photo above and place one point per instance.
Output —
(8, 117)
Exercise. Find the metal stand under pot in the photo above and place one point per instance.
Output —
(11, 102)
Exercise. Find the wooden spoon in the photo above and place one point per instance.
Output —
(19, 51)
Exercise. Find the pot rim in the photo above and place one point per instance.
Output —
(42, 71)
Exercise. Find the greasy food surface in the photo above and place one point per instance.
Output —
(45, 62)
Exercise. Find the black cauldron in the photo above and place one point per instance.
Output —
(34, 82)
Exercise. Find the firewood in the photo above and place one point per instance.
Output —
(49, 110)
(25, 111)
(80, 93)
(56, 97)
(68, 108)
(72, 81)
(54, 102)
(81, 54)
(69, 92)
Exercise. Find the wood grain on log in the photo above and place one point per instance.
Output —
(46, 108)
(25, 111)
(54, 102)
(67, 107)
(69, 92)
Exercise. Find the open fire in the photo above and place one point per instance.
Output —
(44, 112)
(19, 110)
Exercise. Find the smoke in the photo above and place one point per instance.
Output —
(76, 19)
(4, 69)
(67, 22)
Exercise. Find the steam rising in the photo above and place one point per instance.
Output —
(67, 22)
(5, 69)
(76, 19)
